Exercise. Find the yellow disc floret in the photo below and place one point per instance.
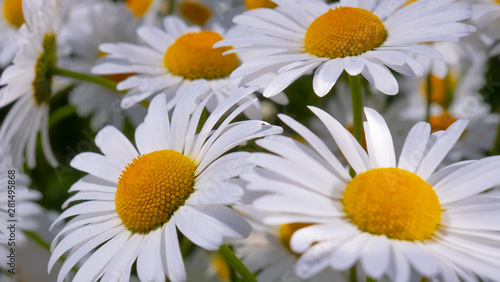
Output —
(192, 56)
(344, 31)
(287, 230)
(152, 188)
(441, 122)
(138, 7)
(195, 12)
(392, 202)
(13, 12)
(256, 4)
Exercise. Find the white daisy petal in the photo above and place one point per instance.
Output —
(348, 253)
(115, 145)
(175, 264)
(379, 140)
(326, 76)
(353, 65)
(97, 165)
(375, 256)
(149, 265)
(354, 153)
(414, 146)
(380, 77)
(439, 150)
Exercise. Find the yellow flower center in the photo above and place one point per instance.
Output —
(195, 12)
(192, 56)
(392, 202)
(42, 85)
(13, 12)
(255, 4)
(287, 230)
(441, 89)
(152, 188)
(138, 7)
(223, 271)
(344, 31)
(441, 122)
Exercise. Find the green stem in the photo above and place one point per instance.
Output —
(352, 274)
(85, 77)
(496, 145)
(429, 97)
(60, 114)
(236, 263)
(368, 279)
(357, 107)
(171, 6)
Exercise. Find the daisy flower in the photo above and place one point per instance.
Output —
(145, 10)
(392, 218)
(267, 251)
(360, 37)
(175, 55)
(29, 81)
(86, 28)
(137, 199)
(11, 19)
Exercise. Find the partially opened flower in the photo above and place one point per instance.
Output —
(393, 218)
(135, 200)
(29, 81)
(173, 56)
(360, 37)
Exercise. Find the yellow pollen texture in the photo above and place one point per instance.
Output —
(256, 4)
(138, 7)
(192, 56)
(195, 12)
(344, 31)
(441, 122)
(13, 12)
(287, 230)
(152, 188)
(392, 202)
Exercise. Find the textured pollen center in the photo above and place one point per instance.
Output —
(152, 188)
(344, 31)
(256, 4)
(192, 56)
(195, 12)
(138, 7)
(13, 12)
(392, 202)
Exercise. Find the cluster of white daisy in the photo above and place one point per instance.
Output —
(264, 142)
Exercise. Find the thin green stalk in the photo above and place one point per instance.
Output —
(236, 263)
(496, 145)
(357, 107)
(85, 77)
(352, 274)
(429, 97)
(60, 114)
(171, 6)
(368, 279)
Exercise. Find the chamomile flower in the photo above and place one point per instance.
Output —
(174, 56)
(360, 37)
(392, 218)
(29, 81)
(86, 28)
(267, 251)
(135, 200)
(485, 12)
(11, 19)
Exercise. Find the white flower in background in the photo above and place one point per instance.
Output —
(456, 96)
(86, 28)
(392, 219)
(146, 11)
(267, 251)
(136, 199)
(11, 19)
(485, 12)
(29, 81)
(360, 37)
(23, 213)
